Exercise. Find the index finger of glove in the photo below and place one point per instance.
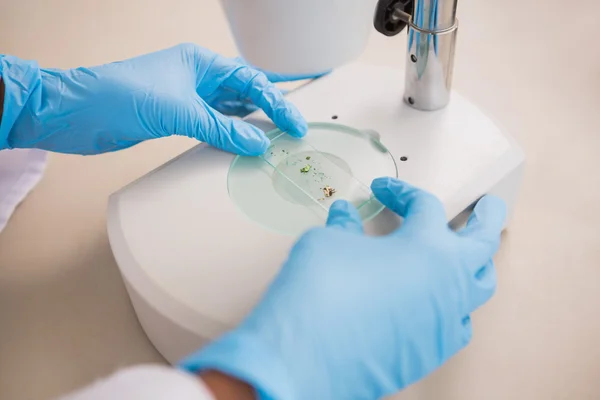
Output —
(223, 73)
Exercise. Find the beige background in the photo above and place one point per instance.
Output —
(65, 318)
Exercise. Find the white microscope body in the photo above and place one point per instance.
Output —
(194, 265)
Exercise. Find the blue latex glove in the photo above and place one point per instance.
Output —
(357, 317)
(231, 103)
(115, 106)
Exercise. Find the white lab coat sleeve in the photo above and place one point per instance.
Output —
(146, 382)
(20, 171)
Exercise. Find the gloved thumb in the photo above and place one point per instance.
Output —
(419, 208)
(345, 216)
(199, 121)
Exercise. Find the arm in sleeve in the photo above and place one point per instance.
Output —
(1, 98)
(148, 382)
(22, 169)
(20, 79)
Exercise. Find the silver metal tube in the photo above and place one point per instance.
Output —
(432, 31)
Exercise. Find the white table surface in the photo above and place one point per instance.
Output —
(65, 318)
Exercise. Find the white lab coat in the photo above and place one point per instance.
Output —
(20, 171)
(145, 383)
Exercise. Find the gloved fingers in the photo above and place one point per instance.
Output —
(345, 216)
(214, 73)
(481, 239)
(197, 120)
(452, 335)
(483, 286)
(486, 219)
(226, 95)
(482, 233)
(419, 208)
(229, 103)
(467, 331)
(252, 84)
(235, 108)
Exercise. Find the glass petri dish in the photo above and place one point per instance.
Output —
(290, 188)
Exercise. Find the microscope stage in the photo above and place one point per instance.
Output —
(194, 263)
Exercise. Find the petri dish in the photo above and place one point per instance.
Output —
(290, 188)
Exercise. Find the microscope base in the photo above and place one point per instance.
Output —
(194, 265)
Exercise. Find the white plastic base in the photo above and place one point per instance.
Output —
(194, 265)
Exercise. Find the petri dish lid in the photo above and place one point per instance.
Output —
(290, 188)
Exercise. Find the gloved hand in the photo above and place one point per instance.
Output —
(232, 103)
(115, 106)
(357, 317)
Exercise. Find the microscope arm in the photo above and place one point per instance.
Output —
(432, 28)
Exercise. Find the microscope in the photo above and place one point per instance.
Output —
(199, 239)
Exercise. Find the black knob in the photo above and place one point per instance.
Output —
(387, 20)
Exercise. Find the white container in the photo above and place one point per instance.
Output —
(300, 36)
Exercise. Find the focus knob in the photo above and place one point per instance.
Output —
(392, 16)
